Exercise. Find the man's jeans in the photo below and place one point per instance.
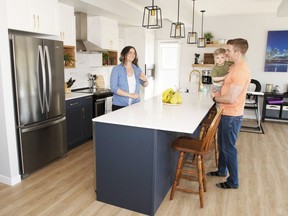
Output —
(228, 131)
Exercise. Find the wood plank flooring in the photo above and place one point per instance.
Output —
(66, 186)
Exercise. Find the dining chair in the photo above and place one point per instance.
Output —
(199, 147)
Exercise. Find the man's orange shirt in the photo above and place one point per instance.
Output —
(239, 75)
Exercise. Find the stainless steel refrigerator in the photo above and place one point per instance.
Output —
(38, 74)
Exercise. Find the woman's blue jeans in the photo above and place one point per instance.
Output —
(228, 131)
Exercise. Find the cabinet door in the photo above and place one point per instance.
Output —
(18, 15)
(110, 37)
(67, 24)
(46, 13)
(87, 117)
(103, 32)
(33, 15)
(74, 116)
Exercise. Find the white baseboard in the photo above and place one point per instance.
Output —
(10, 181)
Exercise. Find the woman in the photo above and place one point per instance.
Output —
(126, 78)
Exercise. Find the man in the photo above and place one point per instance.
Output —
(232, 99)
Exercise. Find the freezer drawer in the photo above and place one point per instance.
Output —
(273, 111)
(42, 144)
(284, 112)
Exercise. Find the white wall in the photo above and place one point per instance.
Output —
(9, 172)
(254, 28)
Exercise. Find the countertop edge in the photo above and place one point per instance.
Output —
(73, 95)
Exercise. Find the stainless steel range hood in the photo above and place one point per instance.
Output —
(82, 44)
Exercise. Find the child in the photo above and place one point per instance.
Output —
(220, 70)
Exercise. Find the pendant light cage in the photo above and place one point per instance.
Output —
(202, 39)
(192, 36)
(177, 28)
(152, 17)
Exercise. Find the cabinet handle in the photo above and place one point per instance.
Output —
(83, 113)
(38, 21)
(73, 104)
(34, 21)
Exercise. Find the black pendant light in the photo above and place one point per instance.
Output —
(152, 17)
(177, 28)
(192, 36)
(202, 40)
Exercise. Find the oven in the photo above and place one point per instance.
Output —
(99, 107)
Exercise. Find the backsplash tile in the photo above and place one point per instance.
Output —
(83, 68)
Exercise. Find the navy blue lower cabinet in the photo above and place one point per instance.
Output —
(79, 120)
(135, 167)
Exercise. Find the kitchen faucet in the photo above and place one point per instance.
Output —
(199, 78)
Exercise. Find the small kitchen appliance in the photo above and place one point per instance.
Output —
(206, 77)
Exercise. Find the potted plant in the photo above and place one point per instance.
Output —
(208, 36)
(68, 59)
(105, 56)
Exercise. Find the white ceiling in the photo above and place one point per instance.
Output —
(129, 12)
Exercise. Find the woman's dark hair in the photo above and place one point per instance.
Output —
(124, 53)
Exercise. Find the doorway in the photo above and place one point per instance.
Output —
(168, 72)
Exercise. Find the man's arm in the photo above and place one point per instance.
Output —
(231, 96)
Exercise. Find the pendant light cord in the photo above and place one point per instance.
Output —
(202, 23)
(193, 16)
(178, 11)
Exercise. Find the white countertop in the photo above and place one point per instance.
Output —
(152, 114)
(73, 95)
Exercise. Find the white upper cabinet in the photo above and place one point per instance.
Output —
(67, 24)
(39, 16)
(103, 32)
(17, 14)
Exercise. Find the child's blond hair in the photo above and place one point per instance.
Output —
(219, 51)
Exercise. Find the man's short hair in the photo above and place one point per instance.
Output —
(239, 44)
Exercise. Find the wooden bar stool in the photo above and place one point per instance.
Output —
(198, 147)
(206, 122)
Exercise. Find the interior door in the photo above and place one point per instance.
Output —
(168, 76)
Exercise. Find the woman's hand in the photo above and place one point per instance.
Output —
(133, 95)
(142, 77)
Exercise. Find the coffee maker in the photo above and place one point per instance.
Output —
(206, 77)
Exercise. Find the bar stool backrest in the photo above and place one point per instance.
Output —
(208, 137)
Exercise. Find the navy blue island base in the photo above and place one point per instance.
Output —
(135, 167)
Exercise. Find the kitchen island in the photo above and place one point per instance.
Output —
(135, 164)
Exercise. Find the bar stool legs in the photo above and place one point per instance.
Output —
(201, 180)
(201, 177)
(195, 171)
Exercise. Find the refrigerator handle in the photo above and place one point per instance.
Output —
(40, 126)
(40, 62)
(47, 57)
